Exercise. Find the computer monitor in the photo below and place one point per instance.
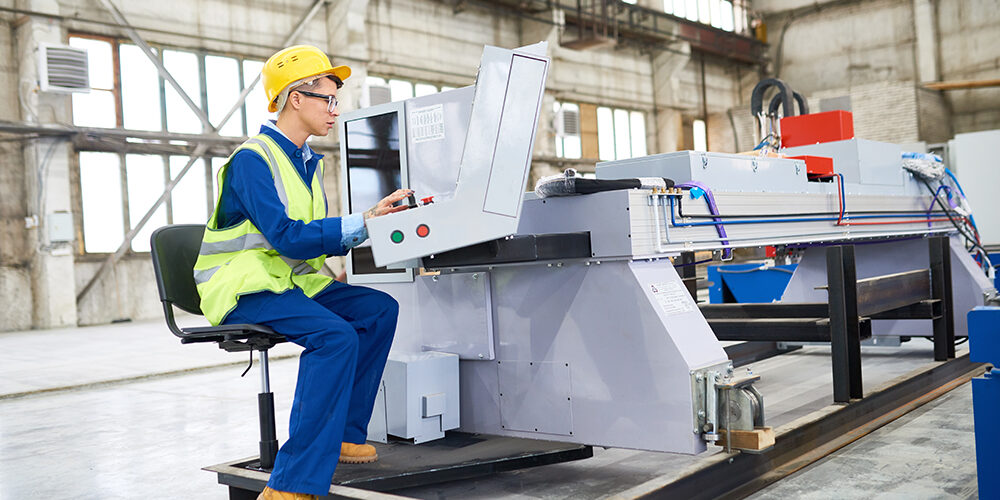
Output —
(375, 168)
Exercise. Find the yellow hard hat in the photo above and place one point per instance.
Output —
(294, 64)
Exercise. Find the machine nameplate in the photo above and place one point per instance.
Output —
(427, 123)
(672, 297)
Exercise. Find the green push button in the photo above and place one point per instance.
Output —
(396, 236)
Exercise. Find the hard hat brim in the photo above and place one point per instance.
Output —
(342, 72)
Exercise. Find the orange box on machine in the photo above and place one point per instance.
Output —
(815, 128)
(816, 165)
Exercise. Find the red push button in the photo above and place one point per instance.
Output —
(427, 201)
(423, 230)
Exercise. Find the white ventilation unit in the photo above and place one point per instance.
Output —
(379, 94)
(567, 122)
(62, 68)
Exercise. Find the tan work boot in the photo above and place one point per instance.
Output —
(351, 453)
(269, 494)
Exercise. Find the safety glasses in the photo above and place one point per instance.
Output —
(331, 101)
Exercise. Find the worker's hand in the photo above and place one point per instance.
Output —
(385, 206)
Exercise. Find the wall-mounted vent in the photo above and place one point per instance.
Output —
(378, 94)
(62, 68)
(568, 122)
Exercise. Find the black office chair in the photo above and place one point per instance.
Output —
(175, 250)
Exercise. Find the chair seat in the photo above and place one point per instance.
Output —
(234, 338)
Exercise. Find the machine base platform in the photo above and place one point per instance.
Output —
(403, 465)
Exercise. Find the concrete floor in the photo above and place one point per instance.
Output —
(928, 453)
(125, 432)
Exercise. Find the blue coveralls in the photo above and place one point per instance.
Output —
(346, 330)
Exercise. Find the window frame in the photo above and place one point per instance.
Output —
(614, 140)
(122, 153)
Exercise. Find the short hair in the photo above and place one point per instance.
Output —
(304, 84)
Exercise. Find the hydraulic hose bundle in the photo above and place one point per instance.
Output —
(768, 131)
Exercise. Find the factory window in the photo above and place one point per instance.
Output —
(727, 15)
(147, 102)
(99, 108)
(127, 91)
(105, 222)
(101, 193)
(699, 135)
(378, 90)
(621, 133)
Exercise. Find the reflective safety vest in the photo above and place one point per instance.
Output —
(238, 260)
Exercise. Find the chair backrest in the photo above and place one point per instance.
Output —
(175, 250)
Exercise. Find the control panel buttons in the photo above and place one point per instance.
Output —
(396, 236)
(423, 230)
(427, 201)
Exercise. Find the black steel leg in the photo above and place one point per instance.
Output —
(265, 411)
(944, 326)
(845, 333)
(689, 274)
(242, 494)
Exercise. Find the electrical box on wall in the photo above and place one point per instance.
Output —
(63, 69)
(60, 227)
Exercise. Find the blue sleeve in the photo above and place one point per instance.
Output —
(253, 186)
(353, 229)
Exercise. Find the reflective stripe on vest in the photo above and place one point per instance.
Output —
(238, 260)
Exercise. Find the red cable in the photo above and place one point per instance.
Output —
(840, 218)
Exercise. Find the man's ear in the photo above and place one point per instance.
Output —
(295, 100)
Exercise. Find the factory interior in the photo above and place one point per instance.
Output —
(530, 249)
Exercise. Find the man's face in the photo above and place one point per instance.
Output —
(314, 111)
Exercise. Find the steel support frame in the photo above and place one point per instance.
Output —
(845, 332)
(943, 325)
(689, 274)
(199, 151)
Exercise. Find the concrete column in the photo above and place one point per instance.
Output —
(348, 35)
(47, 179)
(926, 41)
(666, 91)
(348, 38)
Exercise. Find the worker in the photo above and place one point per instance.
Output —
(259, 262)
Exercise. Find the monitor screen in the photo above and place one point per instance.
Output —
(373, 172)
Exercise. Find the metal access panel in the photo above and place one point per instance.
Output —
(861, 161)
(494, 167)
(592, 353)
(447, 313)
(720, 171)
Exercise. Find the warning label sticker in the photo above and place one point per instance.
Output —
(672, 297)
(427, 124)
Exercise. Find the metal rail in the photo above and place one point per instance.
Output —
(739, 475)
